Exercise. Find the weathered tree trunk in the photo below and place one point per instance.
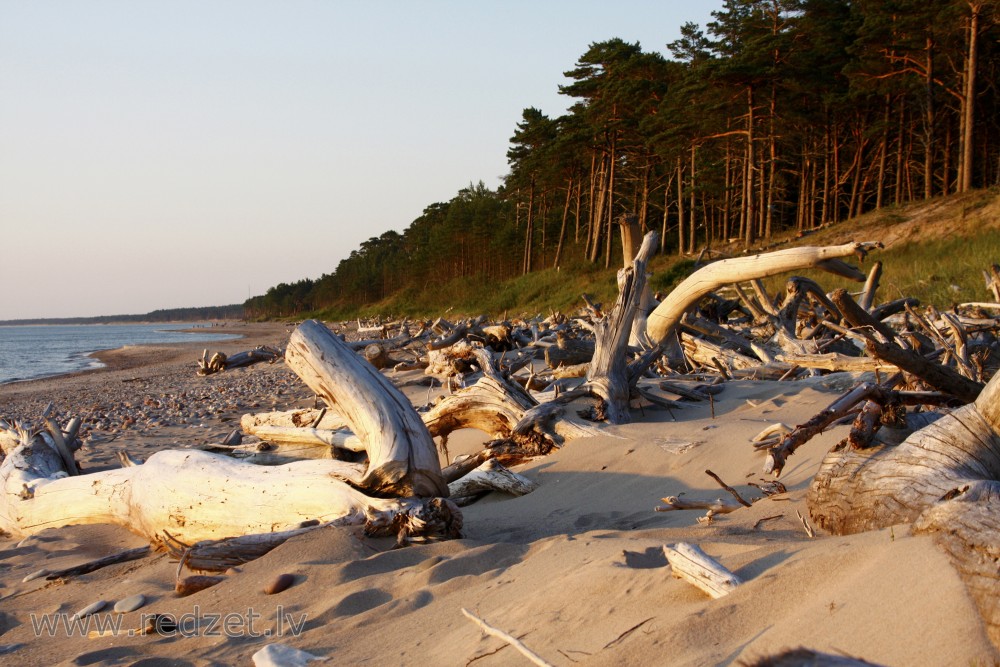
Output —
(402, 458)
(942, 479)
(608, 376)
(189, 495)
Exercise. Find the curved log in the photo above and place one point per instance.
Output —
(664, 319)
(487, 405)
(403, 460)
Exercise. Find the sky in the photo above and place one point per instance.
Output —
(160, 154)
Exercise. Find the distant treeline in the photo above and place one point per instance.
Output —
(779, 115)
(233, 312)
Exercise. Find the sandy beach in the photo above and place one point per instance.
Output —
(575, 570)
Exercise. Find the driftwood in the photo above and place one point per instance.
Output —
(491, 476)
(937, 375)
(324, 419)
(192, 495)
(518, 645)
(91, 565)
(220, 362)
(942, 480)
(402, 458)
(690, 563)
(609, 376)
(664, 320)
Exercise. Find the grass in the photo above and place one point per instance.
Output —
(941, 272)
(936, 251)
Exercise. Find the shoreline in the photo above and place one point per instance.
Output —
(105, 358)
(128, 388)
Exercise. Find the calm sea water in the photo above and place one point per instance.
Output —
(28, 352)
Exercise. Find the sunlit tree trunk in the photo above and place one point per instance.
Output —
(562, 228)
(969, 97)
(748, 187)
(680, 207)
(692, 224)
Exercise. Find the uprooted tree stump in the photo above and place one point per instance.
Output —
(943, 480)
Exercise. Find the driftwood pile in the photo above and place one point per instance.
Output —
(370, 458)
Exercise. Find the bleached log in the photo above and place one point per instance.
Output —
(690, 563)
(663, 321)
(450, 360)
(832, 361)
(402, 456)
(220, 362)
(189, 495)
(717, 506)
(329, 419)
(609, 376)
(705, 353)
(317, 437)
(487, 405)
(491, 476)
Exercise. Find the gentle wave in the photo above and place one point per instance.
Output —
(34, 351)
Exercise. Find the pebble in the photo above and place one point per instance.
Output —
(90, 609)
(195, 583)
(131, 603)
(279, 583)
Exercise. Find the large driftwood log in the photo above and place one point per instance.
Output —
(942, 479)
(189, 495)
(663, 321)
(402, 458)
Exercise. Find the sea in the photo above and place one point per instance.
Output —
(33, 351)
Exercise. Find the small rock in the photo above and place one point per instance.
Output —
(279, 583)
(91, 609)
(281, 655)
(131, 603)
(195, 583)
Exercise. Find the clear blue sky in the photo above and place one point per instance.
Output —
(172, 154)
